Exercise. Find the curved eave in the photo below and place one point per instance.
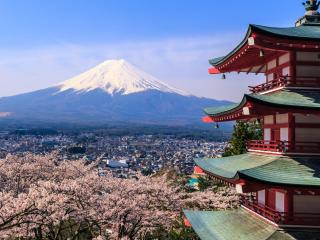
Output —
(225, 110)
(228, 168)
(285, 99)
(220, 60)
(302, 33)
(272, 170)
(286, 171)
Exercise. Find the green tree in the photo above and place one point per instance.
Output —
(243, 132)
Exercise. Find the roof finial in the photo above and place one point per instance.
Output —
(311, 7)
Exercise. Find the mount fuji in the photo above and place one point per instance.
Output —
(112, 92)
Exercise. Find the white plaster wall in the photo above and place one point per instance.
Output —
(284, 58)
(284, 134)
(286, 71)
(280, 197)
(267, 134)
(272, 64)
(282, 118)
(262, 197)
(268, 120)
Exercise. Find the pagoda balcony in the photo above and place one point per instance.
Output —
(282, 82)
(284, 147)
(280, 218)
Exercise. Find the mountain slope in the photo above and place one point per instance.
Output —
(116, 77)
(114, 91)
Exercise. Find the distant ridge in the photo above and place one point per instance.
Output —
(114, 91)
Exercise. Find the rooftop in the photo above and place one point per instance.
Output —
(288, 98)
(303, 32)
(284, 170)
(239, 224)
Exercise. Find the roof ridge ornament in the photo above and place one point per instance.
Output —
(312, 16)
(311, 7)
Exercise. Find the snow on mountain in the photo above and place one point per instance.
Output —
(112, 92)
(116, 77)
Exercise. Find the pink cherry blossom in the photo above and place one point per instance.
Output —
(44, 197)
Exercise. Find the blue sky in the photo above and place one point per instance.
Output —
(44, 42)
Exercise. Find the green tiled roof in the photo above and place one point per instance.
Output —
(301, 32)
(301, 99)
(240, 225)
(288, 171)
(284, 170)
(294, 98)
(217, 110)
(228, 167)
(231, 225)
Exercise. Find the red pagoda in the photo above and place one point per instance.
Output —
(278, 179)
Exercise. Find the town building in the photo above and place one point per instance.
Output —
(279, 178)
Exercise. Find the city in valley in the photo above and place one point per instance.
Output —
(123, 155)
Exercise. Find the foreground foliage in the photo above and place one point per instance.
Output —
(242, 133)
(42, 197)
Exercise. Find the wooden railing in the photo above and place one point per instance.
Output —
(281, 218)
(268, 146)
(287, 81)
(251, 203)
(284, 146)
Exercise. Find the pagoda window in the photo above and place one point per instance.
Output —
(267, 134)
(284, 134)
(310, 118)
(308, 71)
(286, 71)
(308, 56)
(262, 197)
(280, 200)
(307, 134)
(307, 128)
(306, 204)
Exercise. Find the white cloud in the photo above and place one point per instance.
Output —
(181, 62)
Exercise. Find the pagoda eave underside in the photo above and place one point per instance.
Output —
(251, 107)
(247, 57)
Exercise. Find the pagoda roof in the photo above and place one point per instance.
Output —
(270, 169)
(288, 99)
(283, 37)
(240, 224)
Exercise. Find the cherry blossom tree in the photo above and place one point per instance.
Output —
(44, 197)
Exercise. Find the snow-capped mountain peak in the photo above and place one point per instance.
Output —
(116, 77)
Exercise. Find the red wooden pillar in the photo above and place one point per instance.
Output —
(292, 132)
(289, 209)
(293, 63)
